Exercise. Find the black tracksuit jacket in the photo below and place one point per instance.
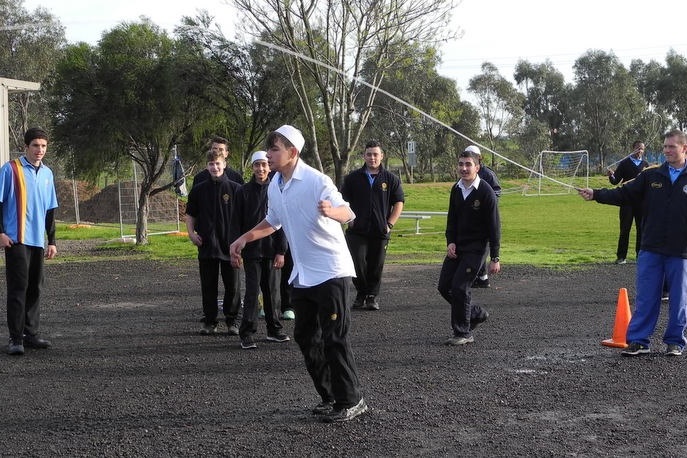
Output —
(474, 221)
(250, 207)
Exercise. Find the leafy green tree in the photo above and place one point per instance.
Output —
(499, 103)
(648, 79)
(242, 83)
(654, 121)
(328, 41)
(415, 80)
(546, 106)
(672, 88)
(30, 46)
(607, 104)
(127, 98)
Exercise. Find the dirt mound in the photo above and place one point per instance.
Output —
(65, 197)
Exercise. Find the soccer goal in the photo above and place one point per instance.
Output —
(558, 172)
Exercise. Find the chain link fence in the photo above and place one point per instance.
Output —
(115, 201)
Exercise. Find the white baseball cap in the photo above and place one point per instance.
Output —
(293, 135)
(473, 149)
(258, 156)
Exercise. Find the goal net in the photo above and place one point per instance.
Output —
(558, 172)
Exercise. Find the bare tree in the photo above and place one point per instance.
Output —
(327, 44)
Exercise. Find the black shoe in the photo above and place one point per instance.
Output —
(15, 347)
(248, 343)
(323, 408)
(371, 303)
(35, 342)
(232, 329)
(479, 320)
(359, 302)
(277, 338)
(479, 283)
(635, 349)
(208, 329)
(338, 415)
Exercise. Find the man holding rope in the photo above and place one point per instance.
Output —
(662, 194)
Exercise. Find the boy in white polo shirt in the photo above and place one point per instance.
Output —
(307, 206)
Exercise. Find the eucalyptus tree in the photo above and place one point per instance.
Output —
(328, 41)
(416, 81)
(546, 106)
(672, 88)
(499, 103)
(128, 98)
(648, 78)
(655, 120)
(607, 104)
(30, 46)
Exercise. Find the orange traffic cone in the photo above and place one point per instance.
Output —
(622, 320)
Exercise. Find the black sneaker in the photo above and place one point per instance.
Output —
(248, 343)
(371, 303)
(359, 302)
(673, 350)
(479, 320)
(479, 283)
(277, 338)
(208, 329)
(635, 349)
(323, 408)
(15, 347)
(31, 341)
(338, 415)
(233, 330)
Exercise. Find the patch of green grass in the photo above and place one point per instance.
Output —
(543, 231)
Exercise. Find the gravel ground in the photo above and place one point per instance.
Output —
(129, 375)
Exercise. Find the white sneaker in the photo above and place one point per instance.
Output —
(346, 414)
(455, 341)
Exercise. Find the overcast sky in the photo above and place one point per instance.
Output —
(498, 31)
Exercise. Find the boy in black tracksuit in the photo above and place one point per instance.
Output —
(376, 197)
(472, 222)
(627, 170)
(488, 175)
(222, 145)
(262, 259)
(208, 215)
